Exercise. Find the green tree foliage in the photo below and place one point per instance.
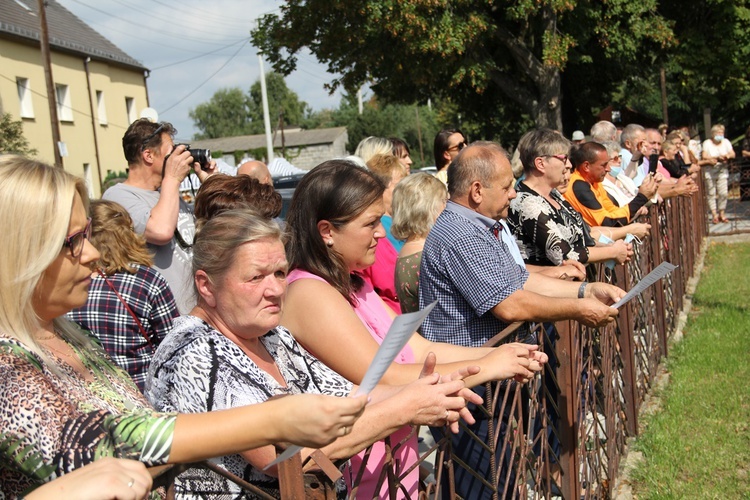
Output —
(281, 102)
(408, 122)
(706, 69)
(11, 137)
(496, 62)
(226, 114)
(231, 112)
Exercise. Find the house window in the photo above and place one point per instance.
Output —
(101, 109)
(64, 109)
(24, 98)
(130, 109)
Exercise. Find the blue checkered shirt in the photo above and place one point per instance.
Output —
(468, 271)
(149, 296)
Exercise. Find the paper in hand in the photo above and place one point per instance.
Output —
(398, 335)
(661, 270)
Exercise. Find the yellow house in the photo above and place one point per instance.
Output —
(99, 89)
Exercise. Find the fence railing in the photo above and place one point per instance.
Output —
(564, 433)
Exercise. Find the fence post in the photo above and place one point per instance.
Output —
(625, 327)
(291, 479)
(566, 375)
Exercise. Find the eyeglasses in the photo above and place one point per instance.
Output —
(458, 147)
(154, 134)
(75, 241)
(562, 158)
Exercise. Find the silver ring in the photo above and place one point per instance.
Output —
(131, 483)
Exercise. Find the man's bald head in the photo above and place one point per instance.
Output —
(257, 170)
(476, 162)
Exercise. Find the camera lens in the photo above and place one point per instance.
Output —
(202, 156)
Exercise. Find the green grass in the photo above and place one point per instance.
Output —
(698, 444)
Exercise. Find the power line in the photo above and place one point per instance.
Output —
(131, 35)
(138, 25)
(207, 13)
(205, 81)
(200, 55)
(175, 18)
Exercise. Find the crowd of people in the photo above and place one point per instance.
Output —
(144, 330)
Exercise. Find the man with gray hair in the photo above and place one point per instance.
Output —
(603, 131)
(472, 267)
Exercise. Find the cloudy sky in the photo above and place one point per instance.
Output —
(193, 48)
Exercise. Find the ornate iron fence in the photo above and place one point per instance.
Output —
(564, 433)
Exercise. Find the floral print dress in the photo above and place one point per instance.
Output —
(546, 235)
(52, 423)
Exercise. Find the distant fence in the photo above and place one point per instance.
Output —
(565, 431)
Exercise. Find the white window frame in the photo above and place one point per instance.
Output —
(130, 109)
(101, 108)
(24, 97)
(64, 107)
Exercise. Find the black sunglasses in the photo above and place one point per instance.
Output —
(150, 137)
(458, 146)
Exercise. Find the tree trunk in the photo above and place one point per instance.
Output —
(547, 111)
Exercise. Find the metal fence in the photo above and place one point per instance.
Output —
(564, 433)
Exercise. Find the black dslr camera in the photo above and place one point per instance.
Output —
(202, 156)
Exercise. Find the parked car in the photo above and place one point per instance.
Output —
(285, 186)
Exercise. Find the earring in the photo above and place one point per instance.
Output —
(329, 243)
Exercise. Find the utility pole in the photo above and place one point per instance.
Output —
(266, 116)
(51, 94)
(419, 135)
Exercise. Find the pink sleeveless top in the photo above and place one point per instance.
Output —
(371, 311)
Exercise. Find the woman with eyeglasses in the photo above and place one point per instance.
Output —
(63, 402)
(544, 224)
(130, 306)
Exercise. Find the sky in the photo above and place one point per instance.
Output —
(194, 48)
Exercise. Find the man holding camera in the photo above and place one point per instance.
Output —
(151, 195)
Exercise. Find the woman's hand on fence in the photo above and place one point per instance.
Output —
(572, 270)
(314, 421)
(514, 360)
(470, 396)
(427, 401)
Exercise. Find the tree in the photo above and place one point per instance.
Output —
(226, 114)
(707, 69)
(493, 62)
(231, 112)
(282, 101)
(11, 137)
